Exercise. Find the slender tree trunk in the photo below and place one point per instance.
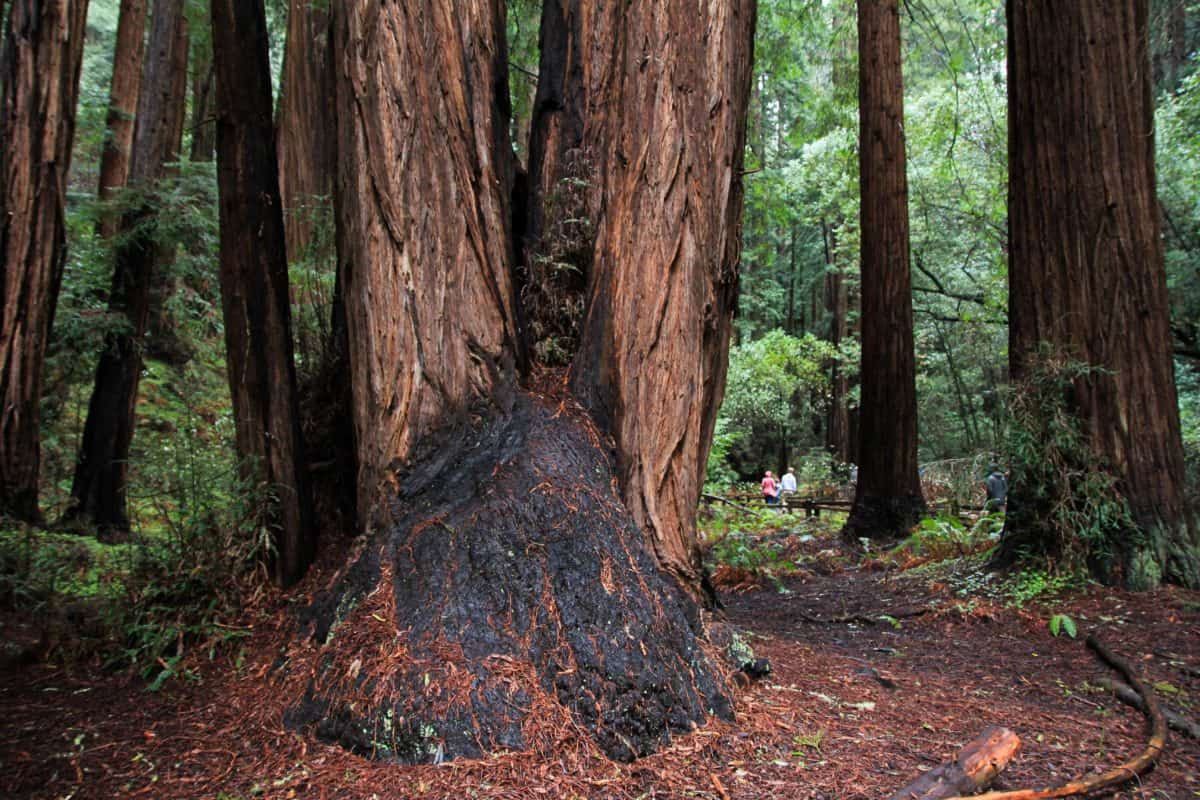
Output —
(888, 501)
(39, 78)
(837, 436)
(1086, 279)
(98, 491)
(203, 123)
(651, 368)
(254, 285)
(307, 129)
(122, 105)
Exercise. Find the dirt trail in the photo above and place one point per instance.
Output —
(852, 710)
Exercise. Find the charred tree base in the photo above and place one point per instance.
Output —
(508, 594)
(883, 519)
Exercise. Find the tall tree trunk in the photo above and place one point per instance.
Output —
(651, 368)
(203, 123)
(495, 505)
(98, 491)
(837, 297)
(39, 78)
(122, 106)
(307, 130)
(254, 285)
(1087, 282)
(888, 501)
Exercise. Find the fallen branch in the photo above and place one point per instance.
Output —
(974, 768)
(1129, 697)
(862, 619)
(1114, 777)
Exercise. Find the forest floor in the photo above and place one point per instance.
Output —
(878, 673)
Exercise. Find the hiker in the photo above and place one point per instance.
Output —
(997, 489)
(787, 489)
(769, 489)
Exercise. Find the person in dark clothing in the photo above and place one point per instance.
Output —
(997, 489)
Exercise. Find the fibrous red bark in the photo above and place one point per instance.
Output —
(666, 134)
(1087, 282)
(503, 578)
(39, 72)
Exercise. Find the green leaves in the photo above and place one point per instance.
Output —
(1061, 623)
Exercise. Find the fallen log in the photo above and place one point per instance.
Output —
(974, 768)
(1114, 777)
(1129, 697)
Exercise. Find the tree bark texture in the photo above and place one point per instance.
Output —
(307, 123)
(254, 284)
(888, 501)
(122, 105)
(425, 176)
(39, 77)
(668, 134)
(98, 489)
(1086, 277)
(499, 507)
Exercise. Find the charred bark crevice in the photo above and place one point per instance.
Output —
(883, 518)
(510, 584)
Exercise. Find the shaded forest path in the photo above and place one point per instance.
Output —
(876, 676)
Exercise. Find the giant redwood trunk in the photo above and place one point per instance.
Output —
(667, 137)
(254, 286)
(98, 491)
(506, 583)
(888, 500)
(122, 105)
(39, 80)
(1086, 278)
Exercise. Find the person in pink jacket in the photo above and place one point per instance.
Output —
(770, 489)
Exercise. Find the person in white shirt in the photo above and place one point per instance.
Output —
(787, 488)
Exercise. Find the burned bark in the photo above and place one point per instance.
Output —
(39, 78)
(888, 500)
(254, 286)
(1087, 283)
(511, 584)
(98, 491)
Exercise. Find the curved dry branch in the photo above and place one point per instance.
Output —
(1114, 777)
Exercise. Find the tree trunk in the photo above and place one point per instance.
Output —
(203, 123)
(254, 286)
(888, 501)
(668, 135)
(1087, 282)
(307, 129)
(98, 489)
(39, 78)
(837, 303)
(495, 505)
(122, 106)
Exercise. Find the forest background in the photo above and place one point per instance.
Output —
(792, 384)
